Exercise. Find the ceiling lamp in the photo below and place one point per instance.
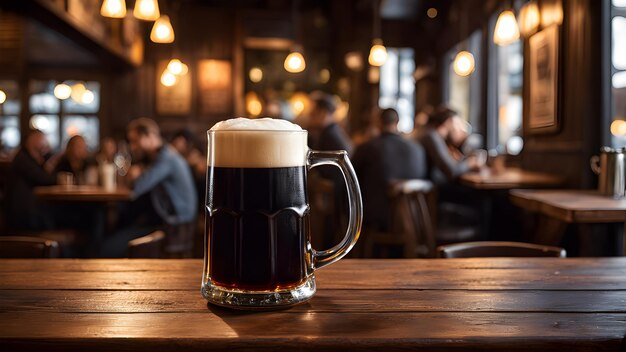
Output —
(62, 91)
(3, 96)
(324, 75)
(147, 10)
(506, 31)
(254, 105)
(162, 31)
(294, 62)
(378, 53)
(113, 8)
(529, 19)
(354, 61)
(168, 79)
(463, 64)
(255, 74)
(177, 67)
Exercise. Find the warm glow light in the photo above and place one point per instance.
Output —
(62, 91)
(431, 12)
(373, 74)
(168, 79)
(354, 61)
(551, 14)
(378, 53)
(299, 103)
(3, 96)
(463, 64)
(87, 97)
(177, 67)
(254, 106)
(77, 92)
(162, 31)
(529, 19)
(113, 8)
(506, 31)
(324, 75)
(255, 74)
(147, 10)
(294, 62)
(618, 128)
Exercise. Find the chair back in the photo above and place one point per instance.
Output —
(148, 246)
(486, 249)
(28, 247)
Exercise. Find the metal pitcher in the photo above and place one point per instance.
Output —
(610, 168)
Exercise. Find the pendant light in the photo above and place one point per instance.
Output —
(506, 31)
(177, 67)
(113, 8)
(62, 91)
(529, 19)
(378, 52)
(3, 96)
(464, 63)
(162, 31)
(294, 62)
(147, 10)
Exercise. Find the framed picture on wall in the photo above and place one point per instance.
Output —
(543, 80)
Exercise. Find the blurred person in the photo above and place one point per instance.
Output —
(165, 183)
(382, 160)
(27, 171)
(324, 132)
(421, 121)
(185, 144)
(371, 129)
(75, 159)
(108, 149)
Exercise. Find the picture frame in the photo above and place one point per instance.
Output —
(543, 81)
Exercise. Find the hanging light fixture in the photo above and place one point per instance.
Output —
(255, 74)
(168, 79)
(464, 63)
(177, 67)
(378, 52)
(113, 8)
(162, 31)
(294, 62)
(3, 96)
(506, 31)
(147, 10)
(62, 91)
(529, 19)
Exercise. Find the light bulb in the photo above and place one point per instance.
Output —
(168, 79)
(618, 128)
(294, 62)
(506, 31)
(529, 19)
(3, 96)
(463, 64)
(87, 97)
(378, 53)
(177, 67)
(255, 74)
(354, 61)
(77, 92)
(62, 91)
(324, 75)
(254, 106)
(147, 10)
(162, 31)
(432, 12)
(113, 8)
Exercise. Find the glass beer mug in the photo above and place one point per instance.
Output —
(257, 246)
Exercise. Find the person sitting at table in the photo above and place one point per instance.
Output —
(185, 144)
(75, 159)
(167, 182)
(382, 160)
(27, 171)
(107, 151)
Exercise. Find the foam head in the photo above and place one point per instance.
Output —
(258, 143)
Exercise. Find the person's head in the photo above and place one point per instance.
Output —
(459, 131)
(389, 120)
(183, 141)
(441, 120)
(76, 149)
(36, 144)
(323, 109)
(108, 147)
(144, 138)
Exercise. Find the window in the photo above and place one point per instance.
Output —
(618, 73)
(506, 76)
(60, 116)
(9, 116)
(462, 93)
(397, 86)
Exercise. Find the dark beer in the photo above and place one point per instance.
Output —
(257, 227)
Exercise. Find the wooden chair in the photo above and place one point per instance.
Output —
(411, 223)
(498, 249)
(148, 246)
(28, 247)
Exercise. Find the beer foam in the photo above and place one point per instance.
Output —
(258, 143)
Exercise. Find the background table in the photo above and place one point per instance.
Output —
(509, 178)
(82, 194)
(374, 305)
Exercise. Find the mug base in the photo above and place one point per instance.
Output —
(258, 300)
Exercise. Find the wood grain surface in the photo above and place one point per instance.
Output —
(82, 193)
(577, 304)
(508, 179)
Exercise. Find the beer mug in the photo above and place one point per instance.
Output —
(258, 253)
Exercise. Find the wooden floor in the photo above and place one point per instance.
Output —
(496, 303)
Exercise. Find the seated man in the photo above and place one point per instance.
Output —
(168, 183)
(26, 172)
(382, 160)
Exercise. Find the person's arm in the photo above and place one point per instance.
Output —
(151, 176)
(34, 174)
(438, 151)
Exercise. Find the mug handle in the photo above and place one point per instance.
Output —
(595, 164)
(340, 159)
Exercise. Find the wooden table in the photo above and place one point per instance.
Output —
(576, 304)
(509, 178)
(571, 207)
(82, 193)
